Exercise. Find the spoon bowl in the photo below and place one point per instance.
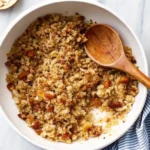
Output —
(105, 47)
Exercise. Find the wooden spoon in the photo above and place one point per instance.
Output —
(104, 46)
(9, 4)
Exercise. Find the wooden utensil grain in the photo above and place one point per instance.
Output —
(104, 46)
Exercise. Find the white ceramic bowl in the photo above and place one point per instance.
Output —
(91, 10)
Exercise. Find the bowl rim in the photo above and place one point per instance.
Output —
(95, 3)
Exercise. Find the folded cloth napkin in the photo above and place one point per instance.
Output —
(138, 136)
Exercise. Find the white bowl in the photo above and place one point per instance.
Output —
(91, 10)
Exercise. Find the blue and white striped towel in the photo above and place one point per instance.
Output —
(138, 136)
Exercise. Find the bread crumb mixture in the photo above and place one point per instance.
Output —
(56, 85)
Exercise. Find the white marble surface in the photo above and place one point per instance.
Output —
(135, 12)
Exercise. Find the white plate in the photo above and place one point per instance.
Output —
(91, 10)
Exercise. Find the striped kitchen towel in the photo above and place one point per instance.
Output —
(138, 136)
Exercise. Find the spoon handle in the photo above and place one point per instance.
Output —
(125, 65)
